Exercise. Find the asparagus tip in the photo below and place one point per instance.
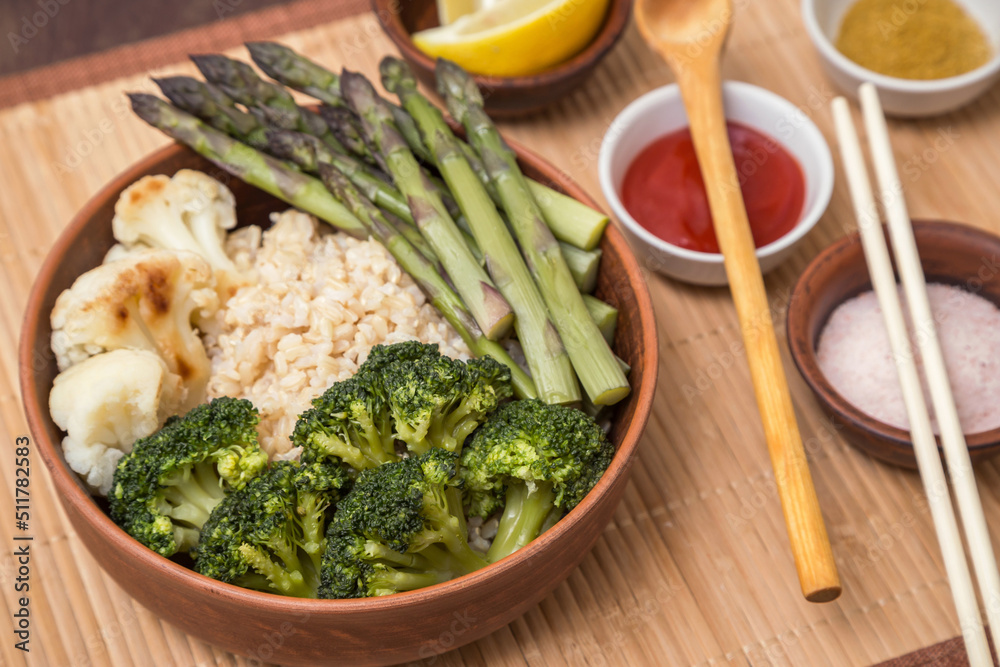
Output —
(333, 115)
(172, 85)
(166, 86)
(294, 146)
(265, 54)
(278, 143)
(457, 88)
(396, 74)
(264, 48)
(335, 180)
(326, 169)
(356, 88)
(202, 60)
(221, 70)
(143, 104)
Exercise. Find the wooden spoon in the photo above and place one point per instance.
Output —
(690, 34)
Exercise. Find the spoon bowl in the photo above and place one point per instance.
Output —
(682, 23)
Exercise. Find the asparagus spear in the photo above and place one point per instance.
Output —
(433, 285)
(263, 171)
(307, 151)
(345, 127)
(273, 103)
(217, 109)
(310, 153)
(595, 363)
(488, 307)
(571, 221)
(299, 73)
(583, 264)
(190, 94)
(284, 65)
(605, 316)
(309, 194)
(550, 366)
(344, 122)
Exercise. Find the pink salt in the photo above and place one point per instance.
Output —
(855, 356)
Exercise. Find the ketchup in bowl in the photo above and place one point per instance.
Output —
(664, 192)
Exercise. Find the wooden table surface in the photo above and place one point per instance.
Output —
(695, 568)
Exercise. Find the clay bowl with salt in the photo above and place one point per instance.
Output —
(951, 254)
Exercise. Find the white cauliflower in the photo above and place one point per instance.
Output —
(191, 211)
(106, 403)
(148, 300)
(121, 251)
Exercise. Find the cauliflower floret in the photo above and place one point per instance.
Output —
(106, 403)
(149, 300)
(190, 211)
(121, 251)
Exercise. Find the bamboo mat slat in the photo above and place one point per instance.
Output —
(694, 568)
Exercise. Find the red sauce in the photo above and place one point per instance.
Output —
(664, 191)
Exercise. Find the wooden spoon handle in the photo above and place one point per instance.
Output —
(701, 88)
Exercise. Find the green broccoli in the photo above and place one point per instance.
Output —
(382, 356)
(350, 423)
(269, 536)
(394, 531)
(534, 461)
(164, 490)
(438, 401)
(407, 391)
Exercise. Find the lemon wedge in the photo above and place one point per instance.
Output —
(515, 37)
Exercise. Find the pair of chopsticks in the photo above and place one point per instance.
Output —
(952, 438)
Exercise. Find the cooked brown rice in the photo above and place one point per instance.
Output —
(320, 302)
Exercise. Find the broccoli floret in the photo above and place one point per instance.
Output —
(164, 490)
(395, 532)
(437, 401)
(535, 461)
(350, 423)
(407, 391)
(355, 567)
(269, 536)
(382, 356)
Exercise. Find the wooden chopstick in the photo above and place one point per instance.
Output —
(914, 286)
(925, 447)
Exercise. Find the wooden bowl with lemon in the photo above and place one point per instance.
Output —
(525, 54)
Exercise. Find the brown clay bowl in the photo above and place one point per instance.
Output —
(504, 96)
(950, 253)
(289, 631)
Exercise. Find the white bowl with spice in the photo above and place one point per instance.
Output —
(779, 152)
(926, 57)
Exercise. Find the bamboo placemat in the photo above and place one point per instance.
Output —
(695, 567)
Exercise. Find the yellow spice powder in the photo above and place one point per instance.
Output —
(913, 39)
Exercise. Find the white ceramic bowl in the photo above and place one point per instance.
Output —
(660, 112)
(903, 97)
